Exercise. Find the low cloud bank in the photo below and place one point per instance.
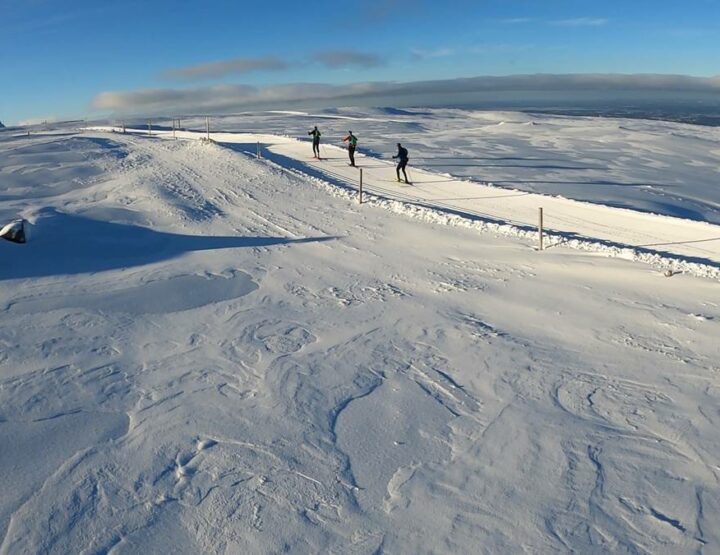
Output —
(224, 98)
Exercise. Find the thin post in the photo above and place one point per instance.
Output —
(174, 136)
(123, 127)
(207, 126)
(258, 150)
(149, 127)
(540, 229)
(361, 183)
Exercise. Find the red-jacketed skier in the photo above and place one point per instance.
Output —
(402, 156)
(316, 141)
(352, 145)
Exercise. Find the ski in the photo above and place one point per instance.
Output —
(395, 181)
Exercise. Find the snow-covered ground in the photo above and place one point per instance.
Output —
(676, 244)
(653, 166)
(201, 352)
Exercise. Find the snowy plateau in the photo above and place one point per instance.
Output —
(207, 351)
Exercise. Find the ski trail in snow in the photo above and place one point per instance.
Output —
(660, 240)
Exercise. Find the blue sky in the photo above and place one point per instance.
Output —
(57, 57)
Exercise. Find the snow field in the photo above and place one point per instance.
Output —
(211, 354)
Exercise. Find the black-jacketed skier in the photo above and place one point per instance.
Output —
(316, 141)
(352, 141)
(402, 156)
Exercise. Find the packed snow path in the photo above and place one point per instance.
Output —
(566, 221)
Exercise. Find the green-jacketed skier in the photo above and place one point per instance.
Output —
(352, 145)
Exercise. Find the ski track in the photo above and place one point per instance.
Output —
(628, 234)
(329, 409)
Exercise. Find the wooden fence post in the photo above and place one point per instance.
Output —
(207, 126)
(540, 229)
(361, 184)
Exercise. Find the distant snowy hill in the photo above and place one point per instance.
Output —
(1, 125)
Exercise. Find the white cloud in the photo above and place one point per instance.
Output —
(222, 97)
(490, 48)
(421, 54)
(225, 98)
(517, 20)
(225, 67)
(581, 22)
(336, 59)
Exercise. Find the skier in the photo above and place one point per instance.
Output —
(402, 156)
(352, 144)
(316, 141)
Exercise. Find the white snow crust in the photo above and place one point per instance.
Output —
(203, 352)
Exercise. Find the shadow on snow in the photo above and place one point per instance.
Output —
(67, 244)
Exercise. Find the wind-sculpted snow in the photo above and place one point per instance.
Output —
(158, 296)
(201, 352)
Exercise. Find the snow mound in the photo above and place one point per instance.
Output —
(16, 231)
